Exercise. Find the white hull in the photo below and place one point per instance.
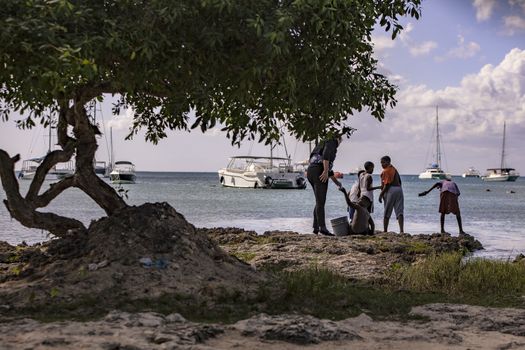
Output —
(51, 176)
(500, 178)
(434, 175)
(123, 173)
(122, 178)
(469, 175)
(247, 179)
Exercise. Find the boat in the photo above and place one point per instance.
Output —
(471, 172)
(57, 172)
(355, 171)
(338, 175)
(123, 173)
(261, 172)
(101, 168)
(434, 171)
(502, 173)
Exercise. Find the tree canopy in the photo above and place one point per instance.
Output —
(251, 65)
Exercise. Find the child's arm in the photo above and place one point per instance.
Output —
(369, 186)
(336, 182)
(348, 201)
(424, 193)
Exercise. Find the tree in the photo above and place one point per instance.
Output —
(251, 66)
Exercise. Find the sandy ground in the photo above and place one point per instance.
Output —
(443, 326)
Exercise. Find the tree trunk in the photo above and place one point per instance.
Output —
(84, 144)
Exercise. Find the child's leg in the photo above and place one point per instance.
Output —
(442, 221)
(458, 217)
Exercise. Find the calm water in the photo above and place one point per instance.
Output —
(494, 217)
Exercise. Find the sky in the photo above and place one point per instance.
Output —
(465, 56)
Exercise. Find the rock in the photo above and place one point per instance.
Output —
(175, 318)
(519, 258)
(297, 329)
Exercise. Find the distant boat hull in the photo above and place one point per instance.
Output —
(500, 178)
(122, 178)
(434, 174)
(471, 172)
(230, 178)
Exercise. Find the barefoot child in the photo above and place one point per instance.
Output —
(355, 193)
(362, 223)
(448, 202)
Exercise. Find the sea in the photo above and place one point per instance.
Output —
(493, 213)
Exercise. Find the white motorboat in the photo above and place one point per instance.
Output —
(471, 172)
(261, 172)
(434, 171)
(502, 173)
(123, 173)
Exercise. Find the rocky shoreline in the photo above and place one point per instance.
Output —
(355, 257)
(153, 252)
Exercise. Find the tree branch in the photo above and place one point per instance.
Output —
(54, 190)
(23, 210)
(50, 160)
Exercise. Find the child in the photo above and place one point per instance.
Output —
(365, 186)
(448, 202)
(362, 223)
(354, 194)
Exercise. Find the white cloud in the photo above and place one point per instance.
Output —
(464, 50)
(514, 24)
(122, 121)
(382, 43)
(478, 105)
(484, 9)
(423, 48)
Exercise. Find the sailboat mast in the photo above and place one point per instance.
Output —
(502, 165)
(112, 156)
(50, 135)
(438, 148)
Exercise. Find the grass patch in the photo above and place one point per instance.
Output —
(244, 256)
(266, 239)
(473, 280)
(323, 293)
(417, 247)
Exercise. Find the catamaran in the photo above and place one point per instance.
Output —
(434, 171)
(502, 173)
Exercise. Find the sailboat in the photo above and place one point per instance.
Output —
(57, 172)
(502, 173)
(434, 171)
